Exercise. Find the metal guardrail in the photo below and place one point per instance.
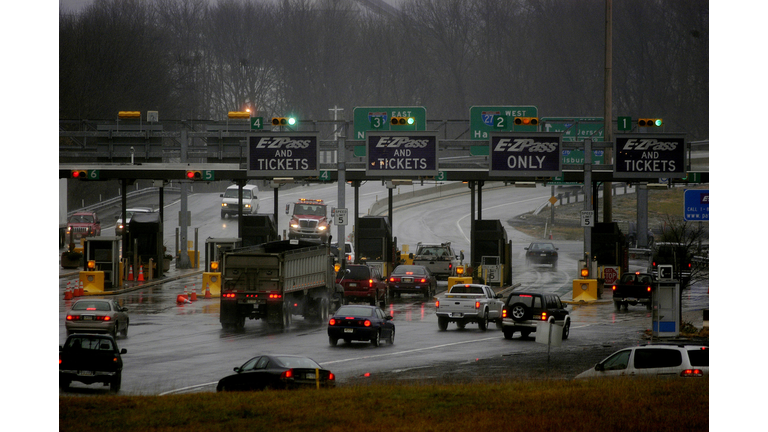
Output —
(116, 200)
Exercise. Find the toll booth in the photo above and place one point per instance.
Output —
(666, 305)
(104, 252)
(145, 241)
(609, 246)
(257, 229)
(216, 247)
(489, 239)
(374, 244)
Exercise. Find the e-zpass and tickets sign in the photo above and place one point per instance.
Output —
(406, 154)
(525, 154)
(649, 156)
(283, 155)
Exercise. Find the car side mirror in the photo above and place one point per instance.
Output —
(499, 295)
(221, 195)
(237, 369)
(123, 351)
(389, 317)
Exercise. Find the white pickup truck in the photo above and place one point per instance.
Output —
(469, 303)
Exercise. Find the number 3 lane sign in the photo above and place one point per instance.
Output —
(587, 218)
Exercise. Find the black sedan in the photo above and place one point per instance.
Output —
(277, 372)
(361, 323)
(411, 279)
(541, 253)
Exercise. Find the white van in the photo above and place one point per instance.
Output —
(250, 200)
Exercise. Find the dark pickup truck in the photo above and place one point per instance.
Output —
(633, 289)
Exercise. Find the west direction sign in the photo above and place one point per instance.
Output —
(649, 156)
(483, 120)
(283, 155)
(525, 154)
(401, 154)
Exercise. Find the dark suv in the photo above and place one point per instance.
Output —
(363, 283)
(90, 358)
(523, 311)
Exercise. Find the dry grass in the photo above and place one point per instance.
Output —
(645, 404)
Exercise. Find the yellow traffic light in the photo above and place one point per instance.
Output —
(526, 121)
(194, 175)
(129, 115)
(239, 114)
(402, 121)
(650, 122)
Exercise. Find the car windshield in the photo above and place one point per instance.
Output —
(409, 270)
(355, 311)
(542, 247)
(310, 210)
(358, 272)
(232, 193)
(297, 362)
(81, 219)
(91, 305)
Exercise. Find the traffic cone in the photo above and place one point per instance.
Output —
(130, 273)
(193, 293)
(68, 292)
(79, 289)
(207, 291)
(141, 273)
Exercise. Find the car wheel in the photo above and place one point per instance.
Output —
(442, 323)
(617, 305)
(124, 331)
(376, 339)
(566, 330)
(114, 385)
(520, 312)
(391, 339)
(508, 333)
(483, 323)
(332, 340)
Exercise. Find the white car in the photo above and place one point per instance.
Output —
(120, 226)
(654, 360)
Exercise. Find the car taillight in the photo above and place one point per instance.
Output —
(692, 373)
(332, 322)
(614, 288)
(543, 316)
(331, 376)
(504, 313)
(648, 289)
(394, 279)
(437, 304)
(477, 305)
(72, 317)
(367, 323)
(287, 374)
(423, 280)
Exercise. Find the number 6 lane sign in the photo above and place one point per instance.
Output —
(587, 218)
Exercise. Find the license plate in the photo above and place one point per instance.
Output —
(352, 285)
(87, 317)
(457, 314)
(85, 373)
(349, 330)
(407, 280)
(311, 376)
(543, 254)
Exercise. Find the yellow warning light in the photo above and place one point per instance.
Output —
(91, 264)
(460, 270)
(584, 272)
(214, 265)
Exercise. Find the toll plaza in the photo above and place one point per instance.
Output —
(509, 148)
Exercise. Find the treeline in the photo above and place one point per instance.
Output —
(197, 59)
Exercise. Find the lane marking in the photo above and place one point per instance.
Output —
(407, 351)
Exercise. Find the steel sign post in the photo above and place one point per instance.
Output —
(407, 154)
(527, 154)
(283, 155)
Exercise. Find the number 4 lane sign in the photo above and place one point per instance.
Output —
(587, 218)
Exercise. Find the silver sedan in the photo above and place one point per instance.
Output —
(97, 315)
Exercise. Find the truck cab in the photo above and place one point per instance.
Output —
(309, 221)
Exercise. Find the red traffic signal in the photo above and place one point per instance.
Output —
(194, 175)
(80, 174)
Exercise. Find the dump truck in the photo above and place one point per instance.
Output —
(275, 280)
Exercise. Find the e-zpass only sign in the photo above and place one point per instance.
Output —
(527, 154)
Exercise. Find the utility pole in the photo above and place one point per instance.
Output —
(342, 177)
(608, 116)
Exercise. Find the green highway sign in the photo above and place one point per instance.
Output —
(257, 123)
(576, 129)
(93, 174)
(381, 119)
(483, 120)
(325, 175)
(624, 123)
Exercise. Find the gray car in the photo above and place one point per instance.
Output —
(97, 316)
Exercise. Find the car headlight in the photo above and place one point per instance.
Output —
(294, 225)
(322, 227)
(223, 204)
(247, 206)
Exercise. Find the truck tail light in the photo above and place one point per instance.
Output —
(648, 289)
(614, 288)
(543, 316)
(437, 305)
(477, 305)
(692, 373)
(504, 313)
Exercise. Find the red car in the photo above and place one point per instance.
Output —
(363, 283)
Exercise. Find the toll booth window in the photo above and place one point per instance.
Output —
(657, 358)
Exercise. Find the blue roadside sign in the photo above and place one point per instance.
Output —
(696, 203)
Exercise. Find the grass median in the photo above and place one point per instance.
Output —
(572, 405)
